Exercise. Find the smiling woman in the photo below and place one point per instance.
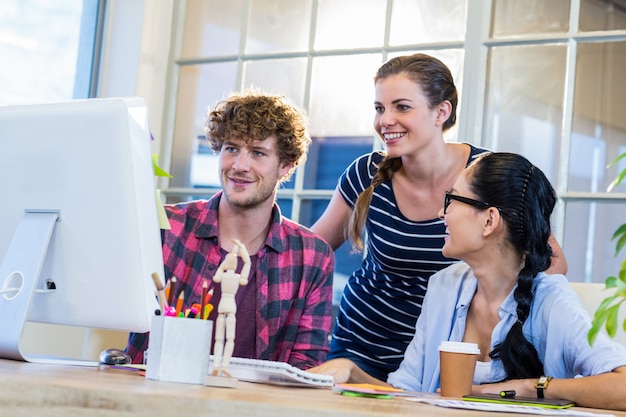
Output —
(391, 202)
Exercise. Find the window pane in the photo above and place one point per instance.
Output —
(329, 156)
(212, 27)
(514, 17)
(39, 49)
(599, 125)
(588, 246)
(350, 24)
(426, 21)
(525, 87)
(342, 95)
(204, 166)
(602, 15)
(278, 26)
(285, 205)
(278, 76)
(199, 87)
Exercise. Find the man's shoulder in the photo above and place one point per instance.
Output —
(189, 214)
(187, 208)
(293, 229)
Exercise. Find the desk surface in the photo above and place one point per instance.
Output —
(28, 389)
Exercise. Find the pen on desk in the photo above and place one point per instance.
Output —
(160, 292)
(179, 303)
(508, 394)
(207, 306)
(170, 311)
(166, 291)
(207, 310)
(192, 313)
(208, 296)
(205, 290)
(171, 291)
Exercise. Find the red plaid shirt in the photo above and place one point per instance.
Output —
(293, 279)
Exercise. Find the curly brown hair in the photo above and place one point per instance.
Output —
(253, 115)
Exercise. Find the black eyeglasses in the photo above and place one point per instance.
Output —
(478, 204)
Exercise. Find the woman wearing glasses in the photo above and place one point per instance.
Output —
(393, 198)
(530, 326)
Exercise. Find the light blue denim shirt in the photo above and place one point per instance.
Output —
(557, 327)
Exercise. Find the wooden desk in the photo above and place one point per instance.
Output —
(28, 389)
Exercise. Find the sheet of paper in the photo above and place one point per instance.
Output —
(507, 408)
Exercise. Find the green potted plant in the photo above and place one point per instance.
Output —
(607, 312)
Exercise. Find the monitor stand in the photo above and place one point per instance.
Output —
(19, 275)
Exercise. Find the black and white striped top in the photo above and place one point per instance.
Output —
(383, 298)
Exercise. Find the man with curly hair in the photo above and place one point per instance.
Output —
(284, 312)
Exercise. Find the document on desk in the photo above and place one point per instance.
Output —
(507, 408)
(370, 389)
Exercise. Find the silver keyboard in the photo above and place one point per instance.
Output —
(281, 373)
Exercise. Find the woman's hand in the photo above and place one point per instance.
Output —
(345, 371)
(340, 369)
(522, 388)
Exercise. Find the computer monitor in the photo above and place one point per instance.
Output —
(80, 237)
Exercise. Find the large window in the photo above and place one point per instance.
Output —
(542, 78)
(555, 94)
(48, 49)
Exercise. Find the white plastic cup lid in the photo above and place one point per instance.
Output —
(459, 347)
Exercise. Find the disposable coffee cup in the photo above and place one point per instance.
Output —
(458, 364)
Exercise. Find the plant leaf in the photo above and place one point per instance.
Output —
(598, 321)
(604, 305)
(617, 181)
(621, 282)
(611, 320)
(606, 313)
(593, 332)
(611, 282)
(622, 239)
(616, 160)
(620, 231)
(620, 177)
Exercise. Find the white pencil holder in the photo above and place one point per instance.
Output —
(179, 349)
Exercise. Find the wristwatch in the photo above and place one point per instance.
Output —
(541, 384)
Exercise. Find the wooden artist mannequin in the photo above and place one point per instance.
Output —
(230, 281)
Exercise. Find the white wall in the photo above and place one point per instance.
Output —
(135, 55)
(134, 62)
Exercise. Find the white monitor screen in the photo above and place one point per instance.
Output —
(89, 161)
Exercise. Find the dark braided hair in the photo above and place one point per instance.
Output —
(437, 84)
(525, 199)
